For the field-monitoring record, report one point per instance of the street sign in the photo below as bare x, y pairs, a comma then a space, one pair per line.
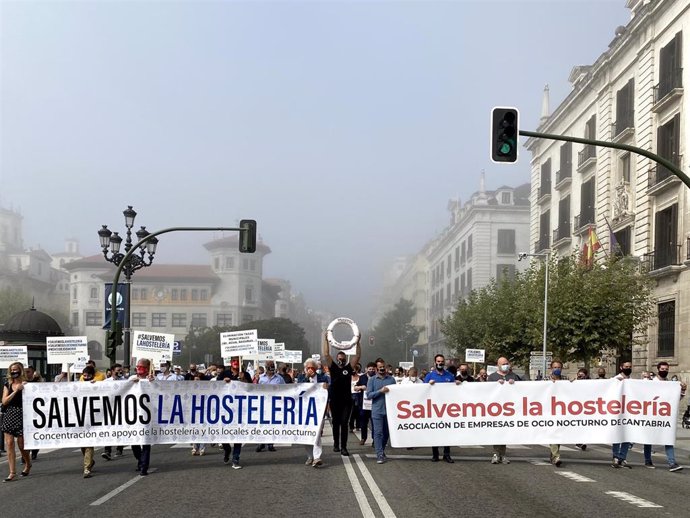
177, 348
475, 355
415, 352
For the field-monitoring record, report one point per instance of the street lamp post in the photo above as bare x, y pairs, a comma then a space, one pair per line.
546, 257
111, 242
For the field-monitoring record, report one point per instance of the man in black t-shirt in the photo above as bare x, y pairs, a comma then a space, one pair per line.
233, 374
340, 393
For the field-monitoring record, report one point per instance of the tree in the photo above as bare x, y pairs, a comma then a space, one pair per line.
591, 309
395, 335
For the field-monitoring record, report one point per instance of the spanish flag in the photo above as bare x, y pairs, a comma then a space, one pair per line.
590, 247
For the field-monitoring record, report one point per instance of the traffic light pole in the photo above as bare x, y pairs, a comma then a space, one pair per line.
633, 149
123, 262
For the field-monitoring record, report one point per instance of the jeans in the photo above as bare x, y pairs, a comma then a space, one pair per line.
670, 454
364, 417
380, 433
620, 450
143, 456
236, 450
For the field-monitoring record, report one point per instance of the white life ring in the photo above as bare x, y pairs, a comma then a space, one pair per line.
343, 346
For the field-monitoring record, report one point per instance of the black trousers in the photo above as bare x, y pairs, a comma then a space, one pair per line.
364, 417
341, 407
143, 456
434, 451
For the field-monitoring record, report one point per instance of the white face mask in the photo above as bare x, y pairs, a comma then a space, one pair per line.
505, 368
413, 379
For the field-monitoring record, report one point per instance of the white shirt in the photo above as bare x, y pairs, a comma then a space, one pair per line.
410, 381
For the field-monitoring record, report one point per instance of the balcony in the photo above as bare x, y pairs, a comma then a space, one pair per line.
661, 178
623, 129
587, 157
668, 90
542, 244
544, 193
582, 221
666, 258
563, 179
561, 235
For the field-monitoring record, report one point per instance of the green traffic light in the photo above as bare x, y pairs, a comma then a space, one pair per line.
505, 148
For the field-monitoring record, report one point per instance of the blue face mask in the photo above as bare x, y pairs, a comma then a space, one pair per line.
556, 372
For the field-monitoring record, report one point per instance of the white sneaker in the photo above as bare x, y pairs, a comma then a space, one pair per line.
309, 462
495, 459
317, 463
194, 452
504, 460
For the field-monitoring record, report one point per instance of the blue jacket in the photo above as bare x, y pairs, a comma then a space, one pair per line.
378, 401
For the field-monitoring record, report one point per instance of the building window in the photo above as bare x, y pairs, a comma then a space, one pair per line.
139, 319
666, 237
505, 198
135, 293
545, 184
195, 294
505, 272
463, 254
670, 68
144, 294
229, 263
93, 293
448, 263
506, 241
469, 246
566, 152
668, 146
666, 336
174, 294
75, 319
249, 294
216, 263
563, 229
158, 320
457, 287
586, 203
457, 257
224, 319
203, 294
625, 107
620, 244
469, 279
179, 319
624, 167
93, 318
544, 231
74, 293
199, 320
183, 294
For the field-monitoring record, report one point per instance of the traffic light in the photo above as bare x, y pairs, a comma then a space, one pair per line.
371, 341
248, 236
114, 340
504, 135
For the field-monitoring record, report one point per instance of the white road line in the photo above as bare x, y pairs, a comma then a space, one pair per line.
367, 511
120, 489
632, 499
574, 476
539, 463
374, 488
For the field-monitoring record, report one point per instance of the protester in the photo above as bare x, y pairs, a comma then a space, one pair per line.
165, 373
353, 422
464, 373
504, 373
311, 375
440, 375
399, 375
482, 376
365, 403
376, 390
88, 375
556, 370
228, 375
99, 376
412, 377
601, 373
284, 374
189, 376
32, 377
620, 450
340, 399
662, 369
582, 374
142, 453
116, 374
12, 423
270, 378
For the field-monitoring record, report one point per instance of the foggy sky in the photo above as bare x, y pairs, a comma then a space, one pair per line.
342, 127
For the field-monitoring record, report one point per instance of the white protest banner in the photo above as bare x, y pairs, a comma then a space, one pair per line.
13, 353
69, 415
533, 412
279, 351
239, 343
265, 349
157, 347
66, 349
475, 355
293, 356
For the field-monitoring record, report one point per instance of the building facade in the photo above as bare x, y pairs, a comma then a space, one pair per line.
633, 94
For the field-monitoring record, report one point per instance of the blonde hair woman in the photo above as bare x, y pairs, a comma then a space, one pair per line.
12, 425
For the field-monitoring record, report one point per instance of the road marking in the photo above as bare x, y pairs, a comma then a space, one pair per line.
632, 499
540, 463
374, 488
367, 511
120, 489
574, 476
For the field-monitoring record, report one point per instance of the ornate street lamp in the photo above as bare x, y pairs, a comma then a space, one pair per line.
110, 244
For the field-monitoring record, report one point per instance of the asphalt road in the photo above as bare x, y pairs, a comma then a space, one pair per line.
409, 485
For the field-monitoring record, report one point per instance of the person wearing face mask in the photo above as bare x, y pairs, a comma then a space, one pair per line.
365, 403
117, 374
311, 375
620, 450
232, 374
166, 374
482, 376
376, 391
440, 375
601, 373
464, 373
339, 392
662, 375
270, 378
12, 423
504, 373
142, 452
412, 377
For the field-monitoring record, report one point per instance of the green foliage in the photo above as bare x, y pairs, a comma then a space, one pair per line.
606, 306
394, 335
207, 340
